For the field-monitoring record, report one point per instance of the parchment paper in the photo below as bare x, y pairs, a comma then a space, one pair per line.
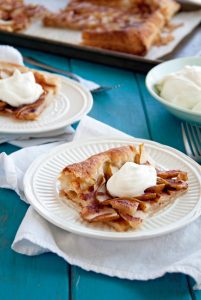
190, 20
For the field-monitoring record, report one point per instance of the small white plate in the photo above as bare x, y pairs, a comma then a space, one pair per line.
41, 191
69, 106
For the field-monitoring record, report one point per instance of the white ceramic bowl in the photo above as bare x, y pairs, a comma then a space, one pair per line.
158, 72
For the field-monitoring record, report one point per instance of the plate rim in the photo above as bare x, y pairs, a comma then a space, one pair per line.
79, 115
170, 228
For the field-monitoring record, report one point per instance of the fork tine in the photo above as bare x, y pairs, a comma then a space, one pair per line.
186, 142
195, 138
190, 137
198, 129
105, 88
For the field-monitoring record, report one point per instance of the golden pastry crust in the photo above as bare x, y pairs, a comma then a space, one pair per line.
50, 85
133, 39
84, 183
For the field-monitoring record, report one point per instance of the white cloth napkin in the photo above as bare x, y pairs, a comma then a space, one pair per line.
62, 135
8, 53
146, 259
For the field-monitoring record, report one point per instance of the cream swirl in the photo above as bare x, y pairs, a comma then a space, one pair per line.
131, 180
19, 89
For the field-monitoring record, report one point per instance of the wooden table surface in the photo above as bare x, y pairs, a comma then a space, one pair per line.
132, 110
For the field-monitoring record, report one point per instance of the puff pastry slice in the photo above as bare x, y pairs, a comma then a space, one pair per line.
50, 85
84, 183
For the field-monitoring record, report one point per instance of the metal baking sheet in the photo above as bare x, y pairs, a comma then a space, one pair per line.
190, 46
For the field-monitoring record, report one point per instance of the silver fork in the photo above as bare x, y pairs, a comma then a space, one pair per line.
92, 86
192, 140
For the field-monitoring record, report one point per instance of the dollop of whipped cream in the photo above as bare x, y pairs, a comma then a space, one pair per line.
19, 89
131, 180
183, 88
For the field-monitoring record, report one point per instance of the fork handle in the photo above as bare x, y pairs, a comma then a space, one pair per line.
36, 63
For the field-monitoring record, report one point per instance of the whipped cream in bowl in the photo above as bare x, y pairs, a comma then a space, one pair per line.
176, 84
182, 88
20, 89
131, 180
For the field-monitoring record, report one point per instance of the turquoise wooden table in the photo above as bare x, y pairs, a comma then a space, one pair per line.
132, 110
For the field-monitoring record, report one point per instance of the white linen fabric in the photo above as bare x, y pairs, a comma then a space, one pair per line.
145, 259
61, 135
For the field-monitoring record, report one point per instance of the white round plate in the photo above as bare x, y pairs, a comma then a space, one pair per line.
69, 106
41, 191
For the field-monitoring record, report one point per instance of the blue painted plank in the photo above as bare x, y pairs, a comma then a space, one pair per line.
196, 294
7, 150
22, 277
123, 109
88, 285
120, 108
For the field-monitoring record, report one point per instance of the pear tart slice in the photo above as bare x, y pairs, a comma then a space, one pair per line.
50, 86
85, 184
